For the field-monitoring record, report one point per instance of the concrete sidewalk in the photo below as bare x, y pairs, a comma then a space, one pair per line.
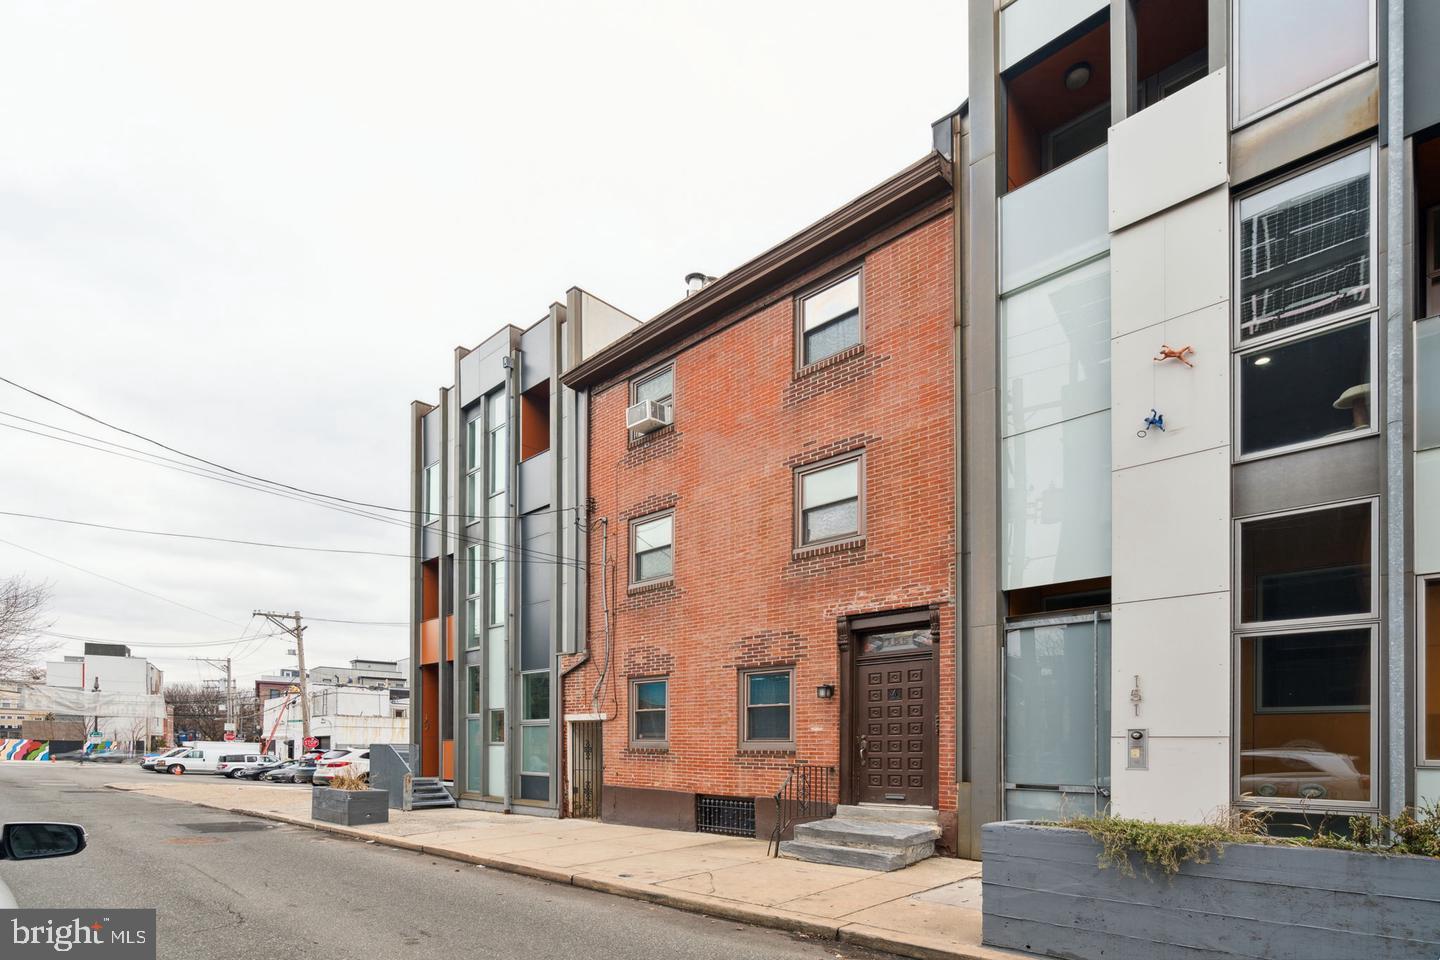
930, 910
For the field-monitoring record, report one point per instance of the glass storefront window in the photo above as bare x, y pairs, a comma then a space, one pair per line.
1305, 718
1313, 564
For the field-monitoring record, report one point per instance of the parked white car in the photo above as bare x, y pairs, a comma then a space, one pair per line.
232, 763
148, 763
344, 760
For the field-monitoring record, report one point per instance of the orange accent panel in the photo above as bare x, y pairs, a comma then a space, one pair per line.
430, 641
449, 773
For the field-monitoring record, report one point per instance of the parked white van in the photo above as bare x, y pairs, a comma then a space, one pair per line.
202, 756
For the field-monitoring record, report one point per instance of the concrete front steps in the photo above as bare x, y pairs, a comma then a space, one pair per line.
872, 836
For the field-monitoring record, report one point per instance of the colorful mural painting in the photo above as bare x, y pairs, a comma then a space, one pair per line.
24, 750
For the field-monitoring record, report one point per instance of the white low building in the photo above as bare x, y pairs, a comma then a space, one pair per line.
340, 716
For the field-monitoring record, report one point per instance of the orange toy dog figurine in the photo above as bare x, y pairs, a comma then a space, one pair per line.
1168, 352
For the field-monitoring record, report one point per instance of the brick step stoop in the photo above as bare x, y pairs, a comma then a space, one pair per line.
869, 836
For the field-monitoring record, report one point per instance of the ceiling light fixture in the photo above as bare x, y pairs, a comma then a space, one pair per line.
1077, 76
1262, 361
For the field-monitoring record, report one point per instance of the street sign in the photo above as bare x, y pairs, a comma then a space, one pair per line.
311, 743
229, 735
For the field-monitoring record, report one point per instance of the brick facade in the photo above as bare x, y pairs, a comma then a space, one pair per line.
741, 596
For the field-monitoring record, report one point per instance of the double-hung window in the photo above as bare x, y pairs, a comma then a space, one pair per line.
474, 445
829, 320
1307, 619
830, 501
1305, 298
767, 714
658, 386
652, 548
649, 712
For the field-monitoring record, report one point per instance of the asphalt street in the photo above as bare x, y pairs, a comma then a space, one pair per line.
227, 886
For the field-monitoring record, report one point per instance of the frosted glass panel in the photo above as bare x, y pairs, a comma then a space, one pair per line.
1028, 25
495, 775
1427, 383
474, 754
495, 671
1057, 349
1055, 508
1287, 46
1057, 705
1056, 221
1427, 512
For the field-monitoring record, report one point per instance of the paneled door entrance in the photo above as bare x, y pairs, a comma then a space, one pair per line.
894, 703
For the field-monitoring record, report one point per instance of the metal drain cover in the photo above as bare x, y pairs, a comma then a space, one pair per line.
226, 826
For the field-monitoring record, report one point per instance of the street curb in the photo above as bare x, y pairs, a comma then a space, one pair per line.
870, 937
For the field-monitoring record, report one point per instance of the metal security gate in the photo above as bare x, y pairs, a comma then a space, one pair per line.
1056, 737
585, 769
728, 816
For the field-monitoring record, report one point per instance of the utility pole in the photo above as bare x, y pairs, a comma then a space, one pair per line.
290, 623
229, 691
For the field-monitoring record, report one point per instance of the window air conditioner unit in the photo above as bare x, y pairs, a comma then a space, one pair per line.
647, 415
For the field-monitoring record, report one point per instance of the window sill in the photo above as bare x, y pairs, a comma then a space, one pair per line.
776, 749
822, 549
649, 746
649, 586
830, 361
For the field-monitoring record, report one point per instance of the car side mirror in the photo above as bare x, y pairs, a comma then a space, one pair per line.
37, 841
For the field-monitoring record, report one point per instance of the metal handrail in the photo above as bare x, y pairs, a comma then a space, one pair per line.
805, 792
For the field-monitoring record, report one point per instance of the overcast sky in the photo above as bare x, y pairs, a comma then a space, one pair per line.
257, 231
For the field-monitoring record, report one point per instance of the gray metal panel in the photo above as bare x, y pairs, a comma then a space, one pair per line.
536, 477
1217, 19
433, 438
1422, 66
1306, 128
535, 353
483, 369
1343, 471
982, 77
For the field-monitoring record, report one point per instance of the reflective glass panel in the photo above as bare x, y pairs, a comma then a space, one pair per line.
536, 688
1287, 46
1305, 247
830, 319
1304, 390
1305, 725
535, 749
1307, 565
1427, 384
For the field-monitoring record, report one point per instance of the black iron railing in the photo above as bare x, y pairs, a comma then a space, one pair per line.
808, 793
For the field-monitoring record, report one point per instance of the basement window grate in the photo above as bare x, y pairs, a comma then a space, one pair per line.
728, 816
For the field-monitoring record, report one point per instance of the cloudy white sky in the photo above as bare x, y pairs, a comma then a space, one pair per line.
257, 231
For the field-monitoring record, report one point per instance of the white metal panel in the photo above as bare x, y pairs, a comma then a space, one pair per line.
1055, 503
1054, 221
1427, 785
1028, 25
1171, 265
1169, 152
1179, 648
1172, 519
1427, 511
1188, 780
1195, 401
1056, 353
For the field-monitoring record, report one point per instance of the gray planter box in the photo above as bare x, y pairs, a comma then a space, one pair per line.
1044, 893
350, 808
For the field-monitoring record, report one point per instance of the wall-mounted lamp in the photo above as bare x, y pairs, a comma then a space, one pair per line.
1078, 75
825, 691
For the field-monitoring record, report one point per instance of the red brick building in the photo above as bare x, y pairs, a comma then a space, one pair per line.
777, 538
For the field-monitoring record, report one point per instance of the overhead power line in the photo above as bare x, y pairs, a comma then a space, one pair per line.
121, 583
197, 536
363, 623
220, 466
537, 556
157, 644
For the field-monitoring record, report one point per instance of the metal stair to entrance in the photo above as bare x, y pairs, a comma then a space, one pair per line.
428, 792
872, 836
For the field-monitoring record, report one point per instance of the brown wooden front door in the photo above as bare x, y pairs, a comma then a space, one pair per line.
895, 750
